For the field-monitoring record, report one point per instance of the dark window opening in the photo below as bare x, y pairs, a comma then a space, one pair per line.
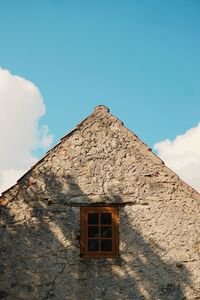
99, 232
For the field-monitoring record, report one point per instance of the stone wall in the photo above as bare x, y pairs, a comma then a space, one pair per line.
100, 163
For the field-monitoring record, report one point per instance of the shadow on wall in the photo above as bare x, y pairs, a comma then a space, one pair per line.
40, 255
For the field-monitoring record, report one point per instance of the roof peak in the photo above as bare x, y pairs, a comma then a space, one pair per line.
101, 108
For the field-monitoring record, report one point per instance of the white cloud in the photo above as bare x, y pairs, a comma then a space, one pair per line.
21, 106
183, 155
9, 177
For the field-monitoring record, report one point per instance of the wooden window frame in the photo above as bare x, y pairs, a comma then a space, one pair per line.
84, 232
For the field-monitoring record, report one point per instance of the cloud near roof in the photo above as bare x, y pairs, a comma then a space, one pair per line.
21, 106
183, 155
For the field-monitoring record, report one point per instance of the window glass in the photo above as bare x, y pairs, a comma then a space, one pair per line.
93, 245
106, 245
93, 218
93, 231
106, 231
106, 218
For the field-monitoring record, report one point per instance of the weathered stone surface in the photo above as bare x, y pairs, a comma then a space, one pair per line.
100, 162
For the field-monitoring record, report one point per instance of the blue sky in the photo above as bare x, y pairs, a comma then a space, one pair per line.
139, 57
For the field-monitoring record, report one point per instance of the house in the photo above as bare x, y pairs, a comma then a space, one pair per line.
100, 217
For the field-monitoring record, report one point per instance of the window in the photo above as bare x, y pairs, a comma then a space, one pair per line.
99, 232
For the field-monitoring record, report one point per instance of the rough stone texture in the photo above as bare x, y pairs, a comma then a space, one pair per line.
100, 162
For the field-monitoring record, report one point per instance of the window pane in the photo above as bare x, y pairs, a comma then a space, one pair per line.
93, 218
106, 231
93, 231
93, 245
106, 245
106, 218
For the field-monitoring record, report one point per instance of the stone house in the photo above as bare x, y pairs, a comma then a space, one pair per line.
100, 217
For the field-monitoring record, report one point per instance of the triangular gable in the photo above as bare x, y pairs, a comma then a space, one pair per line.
101, 160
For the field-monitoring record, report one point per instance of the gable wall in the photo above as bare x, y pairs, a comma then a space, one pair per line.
101, 162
